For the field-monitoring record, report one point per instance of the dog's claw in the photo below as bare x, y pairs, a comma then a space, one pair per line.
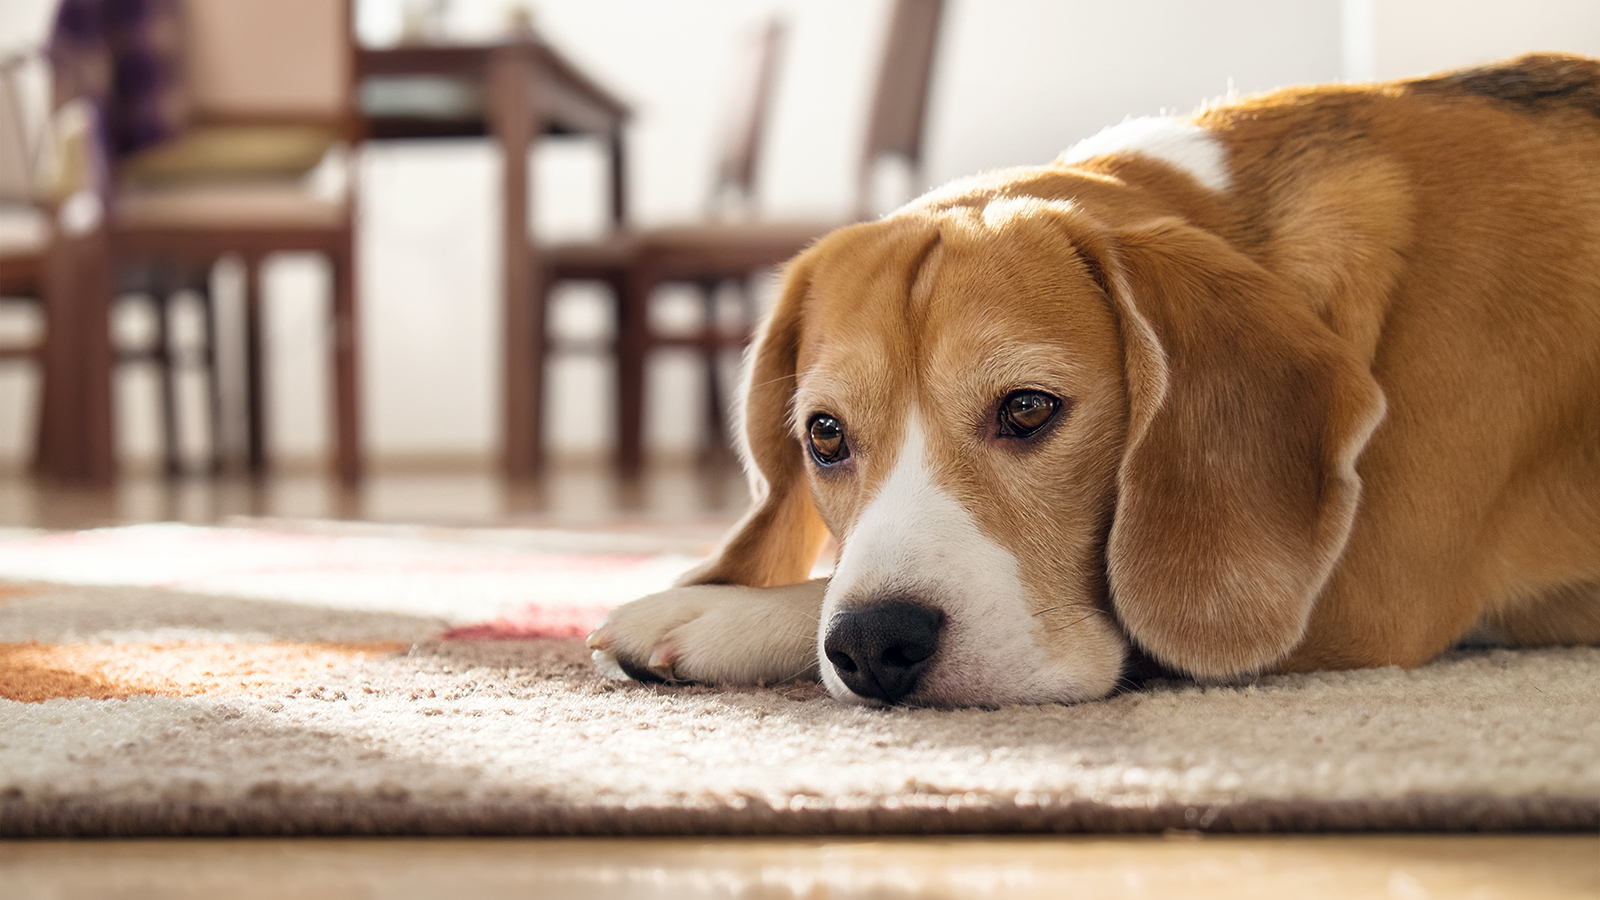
598, 639
661, 661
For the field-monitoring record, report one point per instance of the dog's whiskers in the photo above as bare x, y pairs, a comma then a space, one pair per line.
799, 672
1074, 623
789, 377
1087, 607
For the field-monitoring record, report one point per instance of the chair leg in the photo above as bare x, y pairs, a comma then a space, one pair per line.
208, 358
346, 365
538, 349
161, 298
254, 364
633, 302
716, 442
748, 313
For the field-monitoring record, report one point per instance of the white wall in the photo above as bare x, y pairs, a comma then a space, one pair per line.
1020, 81
1017, 81
1412, 37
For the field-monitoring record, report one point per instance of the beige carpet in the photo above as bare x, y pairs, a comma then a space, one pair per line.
167, 680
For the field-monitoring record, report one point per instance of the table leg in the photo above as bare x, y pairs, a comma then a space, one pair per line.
514, 118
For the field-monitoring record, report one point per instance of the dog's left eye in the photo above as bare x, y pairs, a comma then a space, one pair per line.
1024, 412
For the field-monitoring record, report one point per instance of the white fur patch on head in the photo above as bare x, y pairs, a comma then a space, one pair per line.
915, 541
1180, 144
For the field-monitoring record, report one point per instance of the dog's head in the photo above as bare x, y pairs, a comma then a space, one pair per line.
1035, 438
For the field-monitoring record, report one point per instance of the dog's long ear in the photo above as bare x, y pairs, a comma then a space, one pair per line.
778, 540
1237, 488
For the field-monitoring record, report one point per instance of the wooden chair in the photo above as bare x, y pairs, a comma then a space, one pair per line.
733, 249
26, 235
24, 225
271, 93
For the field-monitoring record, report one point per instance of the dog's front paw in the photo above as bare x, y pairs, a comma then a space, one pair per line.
713, 634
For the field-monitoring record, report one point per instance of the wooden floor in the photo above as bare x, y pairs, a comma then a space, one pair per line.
575, 496
1405, 867
1283, 868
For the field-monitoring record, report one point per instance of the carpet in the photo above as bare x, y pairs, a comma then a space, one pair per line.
176, 680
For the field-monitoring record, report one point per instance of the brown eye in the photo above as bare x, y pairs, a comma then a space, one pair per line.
1024, 412
827, 440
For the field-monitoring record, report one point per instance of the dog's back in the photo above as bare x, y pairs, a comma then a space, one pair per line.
1449, 228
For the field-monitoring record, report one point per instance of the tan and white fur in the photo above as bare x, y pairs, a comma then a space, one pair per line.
1322, 371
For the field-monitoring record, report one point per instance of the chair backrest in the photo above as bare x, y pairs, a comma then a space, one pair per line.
270, 60
900, 102
18, 146
747, 120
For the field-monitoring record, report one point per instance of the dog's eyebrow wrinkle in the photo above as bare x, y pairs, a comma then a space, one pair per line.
923, 268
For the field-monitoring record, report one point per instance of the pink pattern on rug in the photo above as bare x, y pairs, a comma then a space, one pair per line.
534, 621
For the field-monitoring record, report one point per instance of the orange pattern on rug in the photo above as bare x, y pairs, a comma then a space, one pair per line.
32, 672
16, 591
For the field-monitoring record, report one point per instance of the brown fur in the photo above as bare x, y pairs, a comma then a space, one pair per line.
1336, 416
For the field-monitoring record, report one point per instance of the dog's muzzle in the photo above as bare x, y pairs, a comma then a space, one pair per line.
880, 649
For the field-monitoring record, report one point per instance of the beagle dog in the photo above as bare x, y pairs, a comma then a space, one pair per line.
1309, 380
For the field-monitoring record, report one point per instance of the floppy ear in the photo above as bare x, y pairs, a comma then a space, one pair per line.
1237, 487
778, 540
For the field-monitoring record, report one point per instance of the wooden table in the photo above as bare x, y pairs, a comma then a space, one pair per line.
515, 93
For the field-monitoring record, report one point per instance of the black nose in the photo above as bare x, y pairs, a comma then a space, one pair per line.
880, 649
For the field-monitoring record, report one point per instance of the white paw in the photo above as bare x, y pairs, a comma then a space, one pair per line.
713, 634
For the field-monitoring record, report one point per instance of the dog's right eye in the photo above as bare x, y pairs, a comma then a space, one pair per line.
828, 446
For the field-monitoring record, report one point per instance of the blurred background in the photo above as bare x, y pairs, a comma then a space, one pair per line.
1012, 82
